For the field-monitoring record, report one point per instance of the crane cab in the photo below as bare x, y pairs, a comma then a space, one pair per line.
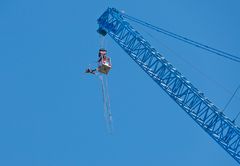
104, 62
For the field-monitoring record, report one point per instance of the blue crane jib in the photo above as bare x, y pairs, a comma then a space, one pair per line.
211, 119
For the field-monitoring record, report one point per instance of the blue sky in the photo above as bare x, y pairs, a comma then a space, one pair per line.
51, 113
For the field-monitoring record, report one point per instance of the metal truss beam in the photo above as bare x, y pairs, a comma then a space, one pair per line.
190, 99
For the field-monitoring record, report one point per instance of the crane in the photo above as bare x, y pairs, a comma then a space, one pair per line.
208, 116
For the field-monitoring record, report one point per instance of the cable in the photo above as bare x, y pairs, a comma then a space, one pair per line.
184, 60
106, 104
184, 39
236, 117
231, 98
101, 41
104, 97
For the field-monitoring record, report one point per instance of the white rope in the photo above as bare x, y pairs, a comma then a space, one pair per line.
106, 104
101, 41
104, 97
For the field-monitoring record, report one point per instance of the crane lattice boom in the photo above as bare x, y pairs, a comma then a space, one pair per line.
189, 98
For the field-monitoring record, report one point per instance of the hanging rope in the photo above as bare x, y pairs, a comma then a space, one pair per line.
106, 103
108, 99
101, 41
184, 39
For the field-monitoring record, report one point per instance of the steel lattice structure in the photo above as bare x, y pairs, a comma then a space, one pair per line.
189, 98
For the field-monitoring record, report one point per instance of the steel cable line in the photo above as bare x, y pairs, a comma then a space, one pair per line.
184, 39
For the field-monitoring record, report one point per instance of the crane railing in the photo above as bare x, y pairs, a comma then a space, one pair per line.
189, 98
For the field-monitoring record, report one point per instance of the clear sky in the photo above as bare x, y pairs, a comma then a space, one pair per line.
51, 113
